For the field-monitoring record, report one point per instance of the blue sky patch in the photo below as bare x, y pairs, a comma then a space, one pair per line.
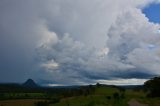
153, 13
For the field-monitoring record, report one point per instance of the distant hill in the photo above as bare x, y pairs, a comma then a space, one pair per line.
30, 84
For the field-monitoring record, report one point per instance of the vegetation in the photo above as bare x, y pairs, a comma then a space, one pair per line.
153, 87
91, 95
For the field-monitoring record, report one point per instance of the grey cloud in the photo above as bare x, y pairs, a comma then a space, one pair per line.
128, 34
129, 40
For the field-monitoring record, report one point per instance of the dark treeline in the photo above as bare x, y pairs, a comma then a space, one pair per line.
152, 86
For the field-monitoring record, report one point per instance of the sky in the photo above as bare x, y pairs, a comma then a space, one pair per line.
75, 42
152, 13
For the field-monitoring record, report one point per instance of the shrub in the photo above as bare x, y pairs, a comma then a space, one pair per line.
108, 97
116, 95
91, 103
41, 103
54, 100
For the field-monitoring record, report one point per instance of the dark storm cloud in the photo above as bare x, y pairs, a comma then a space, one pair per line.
137, 74
18, 37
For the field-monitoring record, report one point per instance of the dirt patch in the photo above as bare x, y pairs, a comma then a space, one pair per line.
134, 102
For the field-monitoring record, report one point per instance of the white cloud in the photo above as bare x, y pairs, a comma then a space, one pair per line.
132, 81
158, 31
51, 65
127, 38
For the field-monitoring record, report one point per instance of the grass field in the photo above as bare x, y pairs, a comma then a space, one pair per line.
23, 96
21, 102
102, 96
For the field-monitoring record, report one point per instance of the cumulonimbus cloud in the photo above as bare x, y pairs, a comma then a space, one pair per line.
80, 41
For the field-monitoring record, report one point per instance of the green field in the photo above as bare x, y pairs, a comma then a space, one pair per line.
21, 102
102, 96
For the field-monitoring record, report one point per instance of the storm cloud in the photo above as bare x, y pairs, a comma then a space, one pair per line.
77, 42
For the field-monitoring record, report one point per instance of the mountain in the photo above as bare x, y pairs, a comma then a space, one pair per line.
30, 84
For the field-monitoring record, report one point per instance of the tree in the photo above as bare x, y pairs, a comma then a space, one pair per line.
98, 84
116, 95
153, 86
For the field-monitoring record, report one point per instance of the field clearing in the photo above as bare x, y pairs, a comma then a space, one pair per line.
24, 94
94, 100
103, 96
10, 96
22, 102
106, 90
